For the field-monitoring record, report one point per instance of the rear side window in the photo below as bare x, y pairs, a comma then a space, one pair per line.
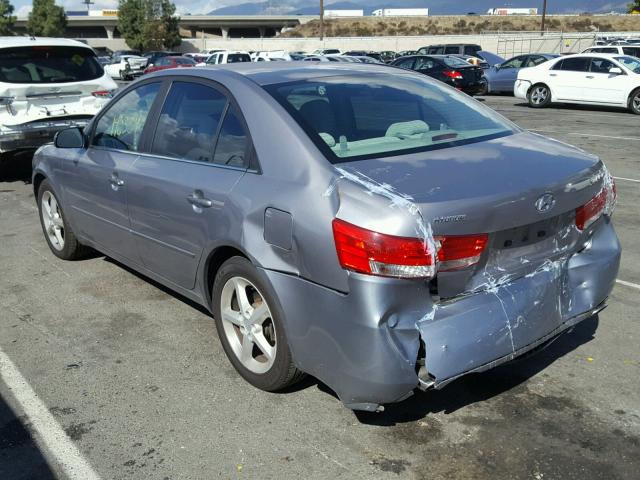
44, 64
188, 124
238, 58
603, 50
452, 50
233, 144
633, 51
121, 126
471, 49
579, 64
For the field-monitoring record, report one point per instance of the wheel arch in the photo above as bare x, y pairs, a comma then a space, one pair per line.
38, 178
212, 264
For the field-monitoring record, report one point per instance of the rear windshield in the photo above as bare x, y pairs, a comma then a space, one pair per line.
455, 62
381, 115
238, 57
43, 64
185, 61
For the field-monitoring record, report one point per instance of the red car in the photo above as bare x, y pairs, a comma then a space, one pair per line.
164, 63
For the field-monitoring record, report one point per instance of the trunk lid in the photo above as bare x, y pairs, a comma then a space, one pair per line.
471, 74
492, 187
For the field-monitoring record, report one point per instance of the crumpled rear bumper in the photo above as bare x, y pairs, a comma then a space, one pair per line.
34, 134
365, 344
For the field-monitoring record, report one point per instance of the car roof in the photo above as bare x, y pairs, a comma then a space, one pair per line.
268, 73
10, 42
594, 54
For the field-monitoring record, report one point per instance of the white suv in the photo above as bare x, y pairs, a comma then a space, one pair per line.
633, 50
46, 85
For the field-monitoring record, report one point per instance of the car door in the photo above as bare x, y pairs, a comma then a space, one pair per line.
95, 180
179, 189
503, 77
604, 87
567, 78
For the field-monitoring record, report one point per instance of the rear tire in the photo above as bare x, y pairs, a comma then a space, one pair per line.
634, 101
248, 321
539, 96
57, 232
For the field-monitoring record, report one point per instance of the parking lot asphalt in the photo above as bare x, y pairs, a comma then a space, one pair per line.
138, 380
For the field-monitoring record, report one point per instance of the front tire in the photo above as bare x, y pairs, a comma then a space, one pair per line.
634, 102
248, 321
539, 96
57, 232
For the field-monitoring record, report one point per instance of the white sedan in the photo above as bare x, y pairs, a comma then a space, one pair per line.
126, 67
588, 79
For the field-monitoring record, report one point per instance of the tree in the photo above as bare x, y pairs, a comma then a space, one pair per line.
634, 7
47, 19
6, 17
149, 24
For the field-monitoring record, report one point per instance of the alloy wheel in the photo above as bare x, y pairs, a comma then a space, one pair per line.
248, 325
52, 220
539, 95
635, 103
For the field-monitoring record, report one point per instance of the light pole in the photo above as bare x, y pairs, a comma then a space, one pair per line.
544, 16
321, 20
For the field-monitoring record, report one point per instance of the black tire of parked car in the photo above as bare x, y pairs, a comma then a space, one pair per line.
539, 87
72, 249
283, 372
634, 101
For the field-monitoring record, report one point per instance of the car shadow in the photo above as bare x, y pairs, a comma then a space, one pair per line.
461, 393
16, 167
478, 387
20, 456
579, 108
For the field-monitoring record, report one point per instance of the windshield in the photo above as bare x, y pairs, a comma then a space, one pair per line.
44, 64
631, 63
358, 117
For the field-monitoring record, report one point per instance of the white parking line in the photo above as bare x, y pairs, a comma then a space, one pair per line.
627, 179
576, 134
628, 284
49, 434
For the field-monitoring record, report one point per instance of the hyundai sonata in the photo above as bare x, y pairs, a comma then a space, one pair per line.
369, 226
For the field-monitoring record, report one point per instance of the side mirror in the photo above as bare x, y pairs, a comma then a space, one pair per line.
69, 138
615, 71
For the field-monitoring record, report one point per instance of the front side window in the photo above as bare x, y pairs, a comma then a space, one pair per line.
424, 63
189, 121
354, 117
600, 65
535, 60
45, 64
517, 62
121, 126
452, 50
406, 63
633, 51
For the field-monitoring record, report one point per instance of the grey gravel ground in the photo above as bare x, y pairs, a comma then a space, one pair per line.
138, 379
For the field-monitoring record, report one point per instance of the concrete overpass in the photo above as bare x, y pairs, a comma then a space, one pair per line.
191, 26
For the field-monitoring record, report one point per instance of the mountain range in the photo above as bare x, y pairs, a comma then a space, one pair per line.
436, 7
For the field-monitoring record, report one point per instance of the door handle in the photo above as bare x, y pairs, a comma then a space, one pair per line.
590, 76
115, 181
553, 74
197, 200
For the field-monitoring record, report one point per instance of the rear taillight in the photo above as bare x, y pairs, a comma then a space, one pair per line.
462, 251
366, 251
102, 94
594, 208
454, 74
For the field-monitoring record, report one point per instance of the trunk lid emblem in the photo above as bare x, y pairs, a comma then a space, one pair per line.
545, 202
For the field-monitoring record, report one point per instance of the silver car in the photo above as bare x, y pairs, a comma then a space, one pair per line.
369, 226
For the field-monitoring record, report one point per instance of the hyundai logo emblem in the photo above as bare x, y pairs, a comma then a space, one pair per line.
545, 202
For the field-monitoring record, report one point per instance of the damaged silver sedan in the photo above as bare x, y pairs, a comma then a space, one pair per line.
371, 227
